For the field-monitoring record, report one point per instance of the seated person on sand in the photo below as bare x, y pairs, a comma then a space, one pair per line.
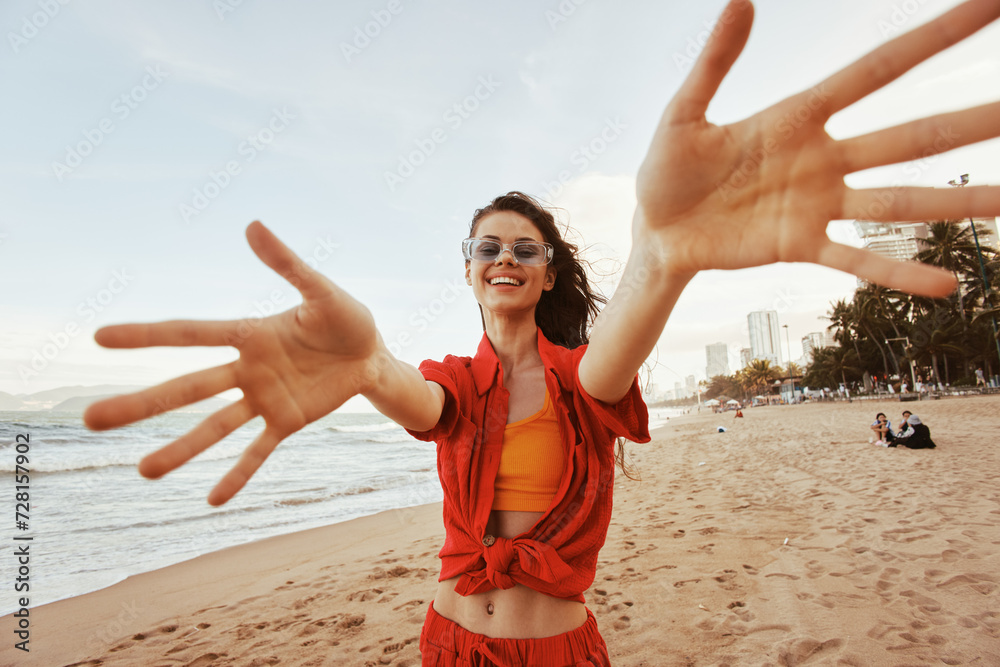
883, 430
739, 413
902, 425
916, 435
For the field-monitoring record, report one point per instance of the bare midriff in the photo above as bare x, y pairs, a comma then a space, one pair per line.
515, 613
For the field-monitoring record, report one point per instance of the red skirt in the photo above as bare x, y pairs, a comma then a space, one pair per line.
444, 643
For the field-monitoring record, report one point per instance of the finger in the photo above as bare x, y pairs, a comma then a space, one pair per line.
204, 435
177, 333
899, 204
185, 390
724, 46
891, 60
922, 138
911, 277
244, 469
269, 248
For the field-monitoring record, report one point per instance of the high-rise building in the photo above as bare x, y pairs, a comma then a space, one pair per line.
716, 359
678, 392
764, 340
899, 241
815, 341
690, 386
746, 356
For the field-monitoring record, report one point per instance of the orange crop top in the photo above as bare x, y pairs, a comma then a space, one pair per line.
531, 462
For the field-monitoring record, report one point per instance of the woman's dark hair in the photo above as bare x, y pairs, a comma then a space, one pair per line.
881, 414
566, 312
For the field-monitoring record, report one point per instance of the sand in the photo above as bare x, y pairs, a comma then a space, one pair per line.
787, 540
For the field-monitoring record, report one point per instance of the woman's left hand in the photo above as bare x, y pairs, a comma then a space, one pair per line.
762, 190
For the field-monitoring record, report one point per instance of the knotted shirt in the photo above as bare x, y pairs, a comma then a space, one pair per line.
558, 555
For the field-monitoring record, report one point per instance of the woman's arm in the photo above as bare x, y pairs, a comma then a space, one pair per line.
401, 394
294, 367
763, 190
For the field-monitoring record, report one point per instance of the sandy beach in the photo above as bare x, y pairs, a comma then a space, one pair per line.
787, 540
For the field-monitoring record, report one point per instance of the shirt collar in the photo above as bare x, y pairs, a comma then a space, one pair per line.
485, 363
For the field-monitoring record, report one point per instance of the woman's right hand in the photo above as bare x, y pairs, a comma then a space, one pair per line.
294, 367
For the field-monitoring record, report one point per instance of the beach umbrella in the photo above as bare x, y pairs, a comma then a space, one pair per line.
732, 402
712, 401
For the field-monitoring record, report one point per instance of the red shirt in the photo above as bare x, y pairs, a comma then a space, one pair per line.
558, 555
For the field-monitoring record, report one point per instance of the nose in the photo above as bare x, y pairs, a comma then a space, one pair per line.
510, 253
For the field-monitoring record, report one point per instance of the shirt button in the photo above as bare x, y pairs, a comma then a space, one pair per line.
489, 540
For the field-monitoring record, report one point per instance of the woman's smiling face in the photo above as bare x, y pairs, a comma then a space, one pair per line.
504, 286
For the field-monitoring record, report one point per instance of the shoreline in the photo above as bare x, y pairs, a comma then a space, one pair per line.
891, 555
252, 569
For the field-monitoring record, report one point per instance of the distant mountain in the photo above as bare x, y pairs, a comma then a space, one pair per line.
9, 401
79, 403
77, 398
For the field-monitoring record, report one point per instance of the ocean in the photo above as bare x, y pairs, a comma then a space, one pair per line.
94, 520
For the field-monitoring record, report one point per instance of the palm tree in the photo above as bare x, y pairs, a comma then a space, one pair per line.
934, 338
951, 246
759, 375
832, 366
842, 323
868, 317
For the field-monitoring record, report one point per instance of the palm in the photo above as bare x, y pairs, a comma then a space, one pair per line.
763, 189
294, 367
729, 207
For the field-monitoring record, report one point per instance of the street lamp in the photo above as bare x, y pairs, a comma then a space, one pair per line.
913, 373
791, 380
962, 181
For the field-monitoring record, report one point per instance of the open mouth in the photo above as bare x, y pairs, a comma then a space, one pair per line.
505, 280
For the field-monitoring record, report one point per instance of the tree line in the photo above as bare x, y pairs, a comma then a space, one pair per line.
880, 331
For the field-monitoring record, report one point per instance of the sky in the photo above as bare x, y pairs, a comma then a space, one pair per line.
140, 138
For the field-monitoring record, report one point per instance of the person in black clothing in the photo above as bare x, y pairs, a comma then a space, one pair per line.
915, 435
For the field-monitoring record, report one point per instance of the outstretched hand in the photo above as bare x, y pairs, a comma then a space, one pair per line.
294, 367
762, 190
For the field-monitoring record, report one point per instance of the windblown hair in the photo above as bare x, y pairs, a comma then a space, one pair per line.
567, 311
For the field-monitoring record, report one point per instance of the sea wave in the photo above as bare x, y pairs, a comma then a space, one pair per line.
388, 437
366, 428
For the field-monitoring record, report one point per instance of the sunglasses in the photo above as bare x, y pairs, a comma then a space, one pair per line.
523, 252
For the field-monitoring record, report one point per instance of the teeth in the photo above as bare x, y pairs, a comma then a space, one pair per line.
503, 280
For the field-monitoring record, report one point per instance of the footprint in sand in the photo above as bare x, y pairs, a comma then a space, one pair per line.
922, 602
981, 583
750, 569
410, 604
364, 595
798, 651
683, 582
316, 626
351, 621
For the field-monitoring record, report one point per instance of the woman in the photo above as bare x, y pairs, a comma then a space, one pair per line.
755, 192
883, 430
914, 434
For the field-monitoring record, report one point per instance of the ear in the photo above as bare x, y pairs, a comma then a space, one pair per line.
468, 274
550, 280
